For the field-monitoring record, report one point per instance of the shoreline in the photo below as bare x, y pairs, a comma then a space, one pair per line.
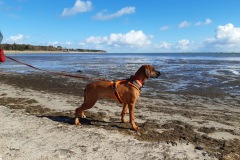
173, 126
51, 52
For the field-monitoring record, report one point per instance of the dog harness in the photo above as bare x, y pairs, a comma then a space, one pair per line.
131, 82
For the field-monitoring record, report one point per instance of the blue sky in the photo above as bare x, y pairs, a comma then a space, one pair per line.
124, 25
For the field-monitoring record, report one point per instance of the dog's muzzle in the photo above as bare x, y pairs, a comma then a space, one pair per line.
157, 73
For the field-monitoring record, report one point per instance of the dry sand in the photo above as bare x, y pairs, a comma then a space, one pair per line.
37, 123
47, 52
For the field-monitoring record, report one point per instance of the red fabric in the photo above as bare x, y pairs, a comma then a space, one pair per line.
140, 80
2, 57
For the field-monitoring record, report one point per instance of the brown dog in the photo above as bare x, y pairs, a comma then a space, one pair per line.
125, 91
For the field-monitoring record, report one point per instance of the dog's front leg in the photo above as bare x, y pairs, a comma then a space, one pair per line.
124, 111
131, 107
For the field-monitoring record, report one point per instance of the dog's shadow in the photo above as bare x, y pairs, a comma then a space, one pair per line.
89, 121
61, 119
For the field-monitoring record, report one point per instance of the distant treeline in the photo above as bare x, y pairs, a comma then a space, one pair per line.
28, 47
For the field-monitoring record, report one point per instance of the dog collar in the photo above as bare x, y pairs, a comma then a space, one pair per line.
135, 83
139, 83
138, 80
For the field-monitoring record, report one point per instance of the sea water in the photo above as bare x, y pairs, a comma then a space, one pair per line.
181, 72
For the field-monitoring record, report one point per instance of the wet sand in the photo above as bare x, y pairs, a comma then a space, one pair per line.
37, 123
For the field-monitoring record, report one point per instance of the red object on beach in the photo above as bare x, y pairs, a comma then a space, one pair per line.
2, 57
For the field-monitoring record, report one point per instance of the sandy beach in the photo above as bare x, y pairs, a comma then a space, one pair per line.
49, 52
37, 110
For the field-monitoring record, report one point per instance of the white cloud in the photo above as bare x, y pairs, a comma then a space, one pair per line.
227, 38
198, 23
164, 28
57, 43
207, 22
164, 45
184, 24
82, 44
79, 6
68, 43
103, 15
96, 40
179, 46
183, 44
131, 39
53, 43
17, 39
228, 34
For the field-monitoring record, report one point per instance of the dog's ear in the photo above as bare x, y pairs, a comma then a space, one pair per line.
148, 70
144, 69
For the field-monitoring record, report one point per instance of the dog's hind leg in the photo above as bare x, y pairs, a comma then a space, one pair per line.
85, 99
88, 103
80, 110
124, 111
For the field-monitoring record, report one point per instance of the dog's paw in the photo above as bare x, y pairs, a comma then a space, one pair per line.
77, 121
137, 128
83, 116
123, 120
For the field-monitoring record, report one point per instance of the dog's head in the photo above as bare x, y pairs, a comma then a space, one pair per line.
151, 72
148, 71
